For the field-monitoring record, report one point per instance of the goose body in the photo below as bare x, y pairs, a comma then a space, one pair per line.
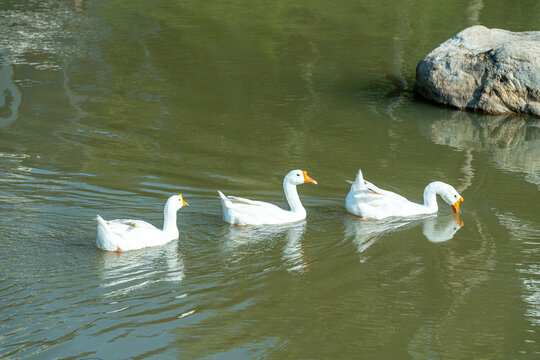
241, 211
123, 234
370, 202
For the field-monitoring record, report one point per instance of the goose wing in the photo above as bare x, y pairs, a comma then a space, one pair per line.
124, 226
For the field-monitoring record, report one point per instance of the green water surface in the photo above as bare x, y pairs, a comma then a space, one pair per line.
108, 107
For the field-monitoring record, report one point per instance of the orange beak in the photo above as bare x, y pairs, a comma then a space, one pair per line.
455, 207
307, 179
183, 202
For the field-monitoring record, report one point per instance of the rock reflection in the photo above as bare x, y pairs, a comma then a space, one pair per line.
513, 142
366, 233
527, 235
473, 10
293, 253
129, 271
10, 96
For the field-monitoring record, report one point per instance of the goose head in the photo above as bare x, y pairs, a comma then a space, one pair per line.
175, 203
450, 196
297, 177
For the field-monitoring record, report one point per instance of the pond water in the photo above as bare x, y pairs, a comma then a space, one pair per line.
108, 107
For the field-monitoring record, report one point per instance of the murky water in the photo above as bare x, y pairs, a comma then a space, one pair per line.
108, 107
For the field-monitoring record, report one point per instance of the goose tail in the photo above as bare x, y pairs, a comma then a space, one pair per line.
224, 199
222, 196
104, 234
102, 223
359, 182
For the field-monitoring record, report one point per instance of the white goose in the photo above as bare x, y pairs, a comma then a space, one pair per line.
122, 235
240, 211
370, 202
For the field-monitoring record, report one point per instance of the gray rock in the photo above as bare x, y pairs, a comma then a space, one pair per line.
488, 70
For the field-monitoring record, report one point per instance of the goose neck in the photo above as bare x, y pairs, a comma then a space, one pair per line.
169, 221
292, 197
430, 197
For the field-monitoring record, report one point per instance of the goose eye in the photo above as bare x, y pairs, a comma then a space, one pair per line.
297, 174
455, 196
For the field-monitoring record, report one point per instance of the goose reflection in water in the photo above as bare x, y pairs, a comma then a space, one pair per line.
439, 229
436, 229
293, 256
125, 272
